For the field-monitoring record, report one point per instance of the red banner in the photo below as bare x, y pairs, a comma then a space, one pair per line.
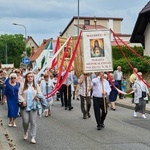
54, 62
68, 68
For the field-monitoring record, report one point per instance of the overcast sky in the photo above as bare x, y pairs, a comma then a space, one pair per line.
44, 19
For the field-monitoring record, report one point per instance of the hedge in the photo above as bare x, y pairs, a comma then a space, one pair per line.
119, 60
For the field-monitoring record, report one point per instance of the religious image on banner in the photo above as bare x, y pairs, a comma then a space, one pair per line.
68, 55
97, 48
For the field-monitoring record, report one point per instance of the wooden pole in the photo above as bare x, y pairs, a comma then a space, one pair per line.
67, 92
86, 93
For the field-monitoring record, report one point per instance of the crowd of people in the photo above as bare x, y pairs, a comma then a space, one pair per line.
27, 97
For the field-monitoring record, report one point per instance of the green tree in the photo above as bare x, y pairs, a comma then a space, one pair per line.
11, 49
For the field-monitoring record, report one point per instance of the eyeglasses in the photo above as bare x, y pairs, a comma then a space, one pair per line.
13, 77
17, 72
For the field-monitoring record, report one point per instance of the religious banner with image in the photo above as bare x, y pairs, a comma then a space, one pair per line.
97, 51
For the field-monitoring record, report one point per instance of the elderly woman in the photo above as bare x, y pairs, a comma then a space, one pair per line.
140, 102
11, 94
19, 77
47, 86
114, 92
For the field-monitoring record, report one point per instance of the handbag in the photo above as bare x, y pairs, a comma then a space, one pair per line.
20, 104
143, 92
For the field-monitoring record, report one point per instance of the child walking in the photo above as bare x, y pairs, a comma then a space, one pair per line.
124, 85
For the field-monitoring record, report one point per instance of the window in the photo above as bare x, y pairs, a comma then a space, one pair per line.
86, 22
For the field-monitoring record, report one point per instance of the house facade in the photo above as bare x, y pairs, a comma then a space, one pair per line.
141, 31
87, 23
31, 43
44, 51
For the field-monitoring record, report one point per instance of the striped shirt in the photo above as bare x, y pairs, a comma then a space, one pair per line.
82, 86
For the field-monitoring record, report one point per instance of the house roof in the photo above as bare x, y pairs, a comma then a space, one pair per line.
40, 50
140, 26
87, 18
113, 43
88, 27
30, 37
123, 35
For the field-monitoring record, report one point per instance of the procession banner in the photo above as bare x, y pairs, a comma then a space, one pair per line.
50, 60
97, 51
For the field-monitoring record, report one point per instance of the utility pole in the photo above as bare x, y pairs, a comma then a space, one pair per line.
6, 53
78, 17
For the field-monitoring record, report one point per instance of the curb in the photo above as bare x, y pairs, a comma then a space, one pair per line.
5, 142
129, 107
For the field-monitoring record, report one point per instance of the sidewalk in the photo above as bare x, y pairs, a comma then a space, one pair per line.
126, 102
6, 143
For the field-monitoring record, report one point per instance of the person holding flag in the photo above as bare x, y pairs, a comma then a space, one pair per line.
65, 90
101, 89
85, 86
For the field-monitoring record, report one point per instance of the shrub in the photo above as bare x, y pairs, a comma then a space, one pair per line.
119, 60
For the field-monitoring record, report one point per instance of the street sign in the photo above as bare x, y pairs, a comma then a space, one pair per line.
26, 60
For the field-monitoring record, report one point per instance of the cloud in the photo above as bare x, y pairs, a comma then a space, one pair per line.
46, 18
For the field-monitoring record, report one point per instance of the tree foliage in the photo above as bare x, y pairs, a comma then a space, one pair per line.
117, 54
11, 49
133, 59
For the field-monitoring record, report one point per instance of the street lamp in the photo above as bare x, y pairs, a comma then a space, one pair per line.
16, 24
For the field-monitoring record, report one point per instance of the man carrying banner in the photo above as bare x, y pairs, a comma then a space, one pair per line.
65, 90
85, 86
101, 89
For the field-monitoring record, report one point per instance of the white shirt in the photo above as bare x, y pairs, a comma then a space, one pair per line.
69, 79
97, 87
118, 75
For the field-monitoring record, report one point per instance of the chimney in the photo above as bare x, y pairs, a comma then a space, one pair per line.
44, 41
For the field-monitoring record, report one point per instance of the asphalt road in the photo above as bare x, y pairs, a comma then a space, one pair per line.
66, 130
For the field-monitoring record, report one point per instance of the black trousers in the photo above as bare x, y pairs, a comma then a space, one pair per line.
99, 110
85, 109
65, 95
119, 87
69, 96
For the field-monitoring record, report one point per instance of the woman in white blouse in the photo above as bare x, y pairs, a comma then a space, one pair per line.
47, 86
27, 91
140, 102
